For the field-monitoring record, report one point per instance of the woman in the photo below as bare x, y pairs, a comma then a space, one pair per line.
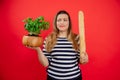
61, 51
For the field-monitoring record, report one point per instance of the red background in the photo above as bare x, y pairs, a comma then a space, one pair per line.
102, 25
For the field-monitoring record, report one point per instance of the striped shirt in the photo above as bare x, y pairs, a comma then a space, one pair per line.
63, 60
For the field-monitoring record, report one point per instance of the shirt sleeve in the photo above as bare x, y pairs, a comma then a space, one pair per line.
47, 54
78, 51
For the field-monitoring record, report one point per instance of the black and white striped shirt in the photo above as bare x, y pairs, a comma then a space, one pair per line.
63, 60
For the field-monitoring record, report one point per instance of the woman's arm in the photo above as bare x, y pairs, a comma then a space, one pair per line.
83, 54
42, 58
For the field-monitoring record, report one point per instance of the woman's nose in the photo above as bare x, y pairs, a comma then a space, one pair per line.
62, 21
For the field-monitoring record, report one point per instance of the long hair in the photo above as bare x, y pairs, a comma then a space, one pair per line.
52, 38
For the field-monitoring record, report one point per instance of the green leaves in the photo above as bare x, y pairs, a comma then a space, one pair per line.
35, 26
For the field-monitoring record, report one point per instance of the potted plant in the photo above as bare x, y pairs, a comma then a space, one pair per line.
34, 28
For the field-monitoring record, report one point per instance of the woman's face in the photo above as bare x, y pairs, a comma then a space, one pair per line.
62, 22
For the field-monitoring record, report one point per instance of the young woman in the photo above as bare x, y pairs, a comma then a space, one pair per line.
61, 51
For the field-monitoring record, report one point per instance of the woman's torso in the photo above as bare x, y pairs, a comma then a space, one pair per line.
63, 61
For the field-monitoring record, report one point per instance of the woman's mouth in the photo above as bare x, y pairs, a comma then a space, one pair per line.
61, 26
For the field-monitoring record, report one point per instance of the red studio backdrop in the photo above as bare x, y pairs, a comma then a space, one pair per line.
102, 25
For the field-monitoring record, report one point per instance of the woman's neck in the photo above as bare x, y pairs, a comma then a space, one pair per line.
62, 34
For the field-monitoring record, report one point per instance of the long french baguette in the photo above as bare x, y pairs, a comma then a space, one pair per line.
82, 32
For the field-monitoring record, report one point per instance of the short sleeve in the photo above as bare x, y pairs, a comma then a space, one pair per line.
77, 40
47, 54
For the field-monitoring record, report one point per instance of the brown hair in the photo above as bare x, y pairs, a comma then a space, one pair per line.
52, 38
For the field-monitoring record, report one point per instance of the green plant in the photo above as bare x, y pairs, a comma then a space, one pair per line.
35, 26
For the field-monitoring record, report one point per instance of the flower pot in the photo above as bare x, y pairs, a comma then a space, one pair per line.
32, 41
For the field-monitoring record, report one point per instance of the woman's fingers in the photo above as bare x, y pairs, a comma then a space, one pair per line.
30, 47
83, 57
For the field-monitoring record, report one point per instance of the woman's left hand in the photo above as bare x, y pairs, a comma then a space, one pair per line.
84, 58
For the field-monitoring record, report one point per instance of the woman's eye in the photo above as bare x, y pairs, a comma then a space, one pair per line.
59, 20
65, 19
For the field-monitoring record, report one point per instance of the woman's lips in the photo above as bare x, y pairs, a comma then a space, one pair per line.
61, 26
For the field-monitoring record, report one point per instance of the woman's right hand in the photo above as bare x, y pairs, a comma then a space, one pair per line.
35, 48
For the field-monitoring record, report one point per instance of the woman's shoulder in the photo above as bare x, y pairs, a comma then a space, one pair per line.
50, 36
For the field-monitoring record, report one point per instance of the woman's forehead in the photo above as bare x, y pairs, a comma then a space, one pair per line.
62, 16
